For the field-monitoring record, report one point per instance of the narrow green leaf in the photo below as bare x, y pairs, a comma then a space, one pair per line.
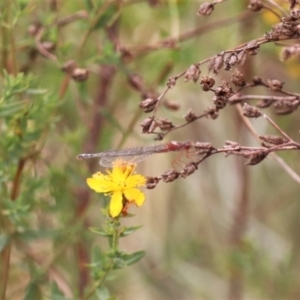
134, 257
36, 91
11, 109
102, 293
129, 230
99, 231
122, 260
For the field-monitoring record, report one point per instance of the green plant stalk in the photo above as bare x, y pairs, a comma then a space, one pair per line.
114, 249
100, 281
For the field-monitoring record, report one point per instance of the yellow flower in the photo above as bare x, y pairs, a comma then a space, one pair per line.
121, 184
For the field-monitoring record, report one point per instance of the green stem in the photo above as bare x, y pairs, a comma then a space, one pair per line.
115, 239
113, 249
100, 281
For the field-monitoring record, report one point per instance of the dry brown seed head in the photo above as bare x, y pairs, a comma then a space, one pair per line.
212, 113
170, 176
152, 182
286, 30
257, 81
188, 169
264, 103
256, 158
234, 146
292, 3
251, 111
193, 72
80, 74
252, 48
297, 30
255, 5
171, 82
238, 78
69, 66
272, 35
148, 125
207, 83
230, 61
275, 85
273, 139
203, 147
205, 9
218, 63
224, 89
220, 101
148, 104
164, 124
190, 116
286, 107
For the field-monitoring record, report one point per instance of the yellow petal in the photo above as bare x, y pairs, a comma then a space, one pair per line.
95, 185
135, 195
116, 204
135, 180
102, 183
98, 175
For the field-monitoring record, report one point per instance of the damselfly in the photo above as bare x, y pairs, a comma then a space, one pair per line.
136, 154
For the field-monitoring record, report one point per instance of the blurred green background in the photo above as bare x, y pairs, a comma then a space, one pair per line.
229, 231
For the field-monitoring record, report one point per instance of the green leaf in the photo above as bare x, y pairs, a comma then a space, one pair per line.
56, 294
124, 259
36, 91
134, 257
102, 293
129, 230
33, 292
4, 240
11, 108
100, 231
